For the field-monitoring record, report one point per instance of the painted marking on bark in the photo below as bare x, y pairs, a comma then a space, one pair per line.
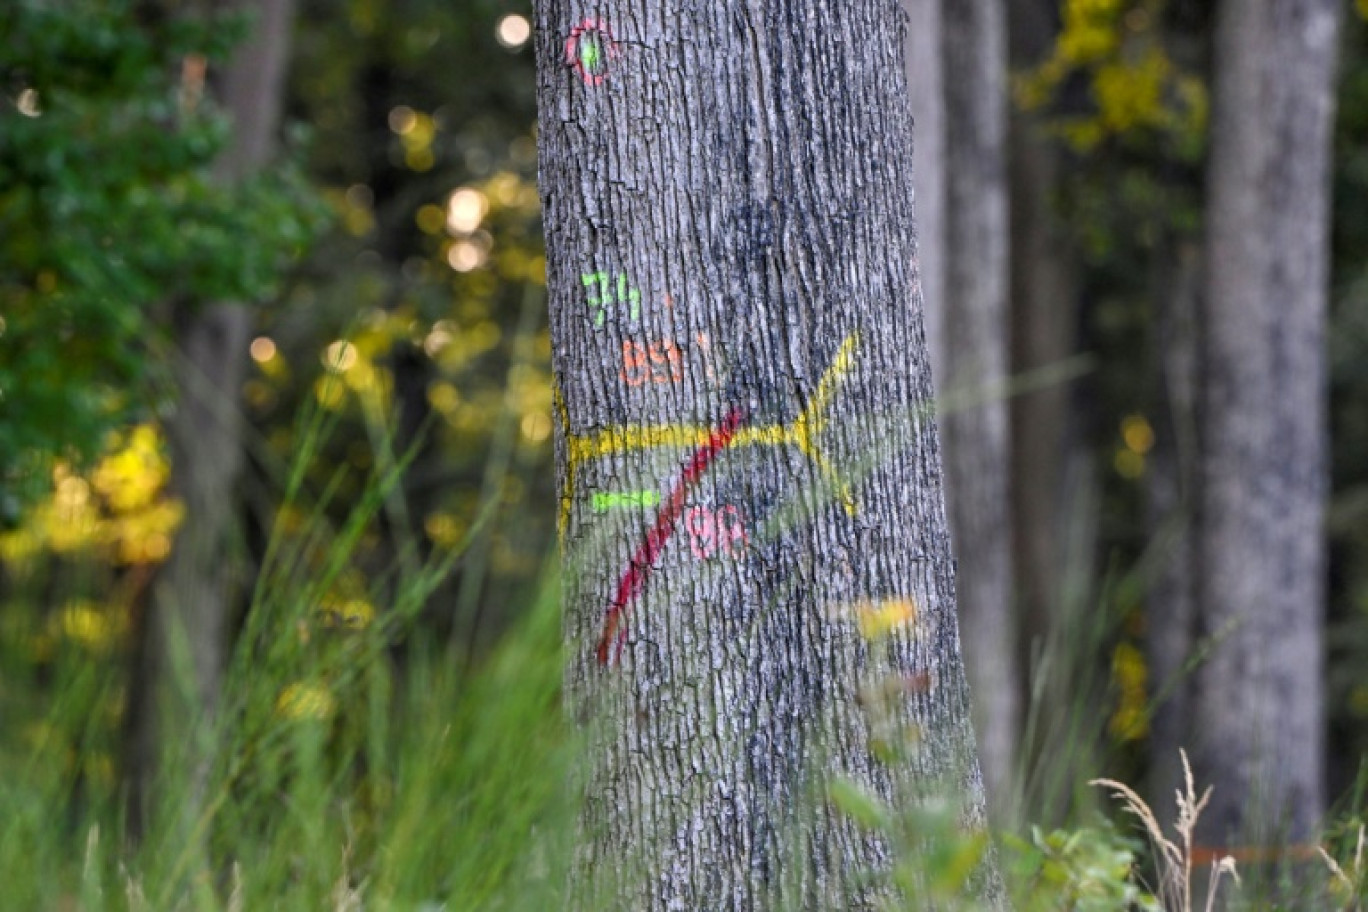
716, 533
663, 360
705, 347
588, 50
568, 492
657, 362
803, 432
600, 302
643, 561
603, 501
719, 532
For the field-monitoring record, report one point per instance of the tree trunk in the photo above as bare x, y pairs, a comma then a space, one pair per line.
926, 87
1052, 491
1044, 296
1257, 712
1171, 479
974, 321
1170, 489
759, 588
185, 647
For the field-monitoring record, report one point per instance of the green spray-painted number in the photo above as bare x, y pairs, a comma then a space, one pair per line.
600, 302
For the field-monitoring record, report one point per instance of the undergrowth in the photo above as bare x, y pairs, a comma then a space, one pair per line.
339, 775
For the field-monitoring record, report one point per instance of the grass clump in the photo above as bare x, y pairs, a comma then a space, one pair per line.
1175, 858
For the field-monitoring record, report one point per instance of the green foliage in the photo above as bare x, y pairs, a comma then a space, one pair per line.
110, 215
1088, 870
1134, 88
363, 749
934, 854
361, 756
336, 771
411, 112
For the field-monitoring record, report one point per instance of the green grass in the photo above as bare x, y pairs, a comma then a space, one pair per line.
447, 789
338, 775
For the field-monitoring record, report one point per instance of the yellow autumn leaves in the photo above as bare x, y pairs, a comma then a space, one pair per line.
1134, 85
120, 507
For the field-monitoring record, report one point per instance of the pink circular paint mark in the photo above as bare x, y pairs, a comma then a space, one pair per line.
702, 528
588, 50
729, 524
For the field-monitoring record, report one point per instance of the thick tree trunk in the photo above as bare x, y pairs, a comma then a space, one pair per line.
759, 589
1258, 713
186, 633
974, 332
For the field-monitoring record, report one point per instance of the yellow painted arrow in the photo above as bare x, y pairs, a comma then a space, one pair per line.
802, 433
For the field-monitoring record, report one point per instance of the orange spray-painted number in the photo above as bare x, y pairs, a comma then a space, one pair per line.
658, 362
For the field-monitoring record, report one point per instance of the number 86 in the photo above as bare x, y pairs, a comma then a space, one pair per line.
713, 531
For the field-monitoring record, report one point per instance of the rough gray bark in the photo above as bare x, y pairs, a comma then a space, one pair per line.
974, 329
1257, 713
186, 631
749, 470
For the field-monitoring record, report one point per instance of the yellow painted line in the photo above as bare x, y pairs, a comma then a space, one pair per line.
568, 495
631, 438
802, 433
812, 420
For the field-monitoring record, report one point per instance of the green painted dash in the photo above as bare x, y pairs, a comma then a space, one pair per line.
615, 500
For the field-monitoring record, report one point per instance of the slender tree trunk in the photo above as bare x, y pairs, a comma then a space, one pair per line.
185, 647
1170, 488
1053, 504
759, 588
926, 87
1171, 476
1258, 715
1044, 288
973, 317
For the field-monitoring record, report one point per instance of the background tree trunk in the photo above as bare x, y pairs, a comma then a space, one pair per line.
759, 589
1170, 492
1052, 488
1171, 479
1044, 268
1257, 712
185, 638
973, 362
926, 88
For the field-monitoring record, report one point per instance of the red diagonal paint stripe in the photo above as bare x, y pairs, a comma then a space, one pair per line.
634, 578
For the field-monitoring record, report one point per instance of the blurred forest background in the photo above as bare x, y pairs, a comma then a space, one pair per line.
284, 360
